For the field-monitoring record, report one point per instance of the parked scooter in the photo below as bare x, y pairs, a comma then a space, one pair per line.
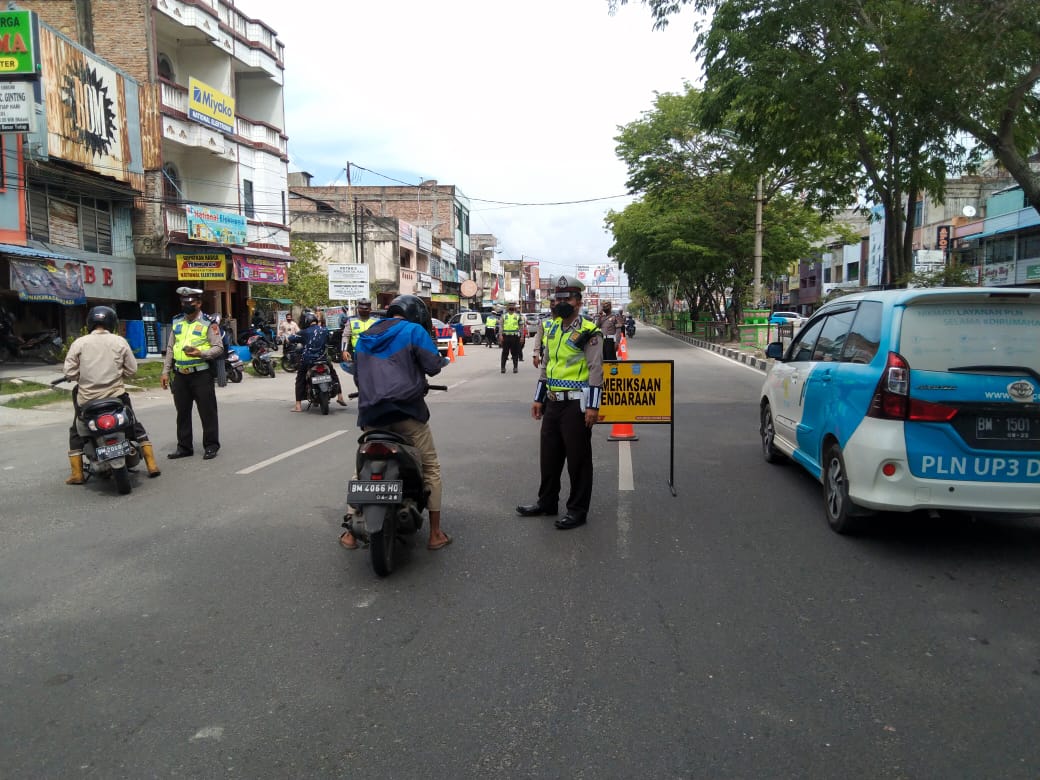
44, 345
292, 354
389, 495
263, 359
109, 449
233, 366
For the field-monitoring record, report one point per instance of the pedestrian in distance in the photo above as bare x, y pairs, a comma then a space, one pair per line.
99, 362
512, 332
609, 324
393, 360
315, 340
354, 327
566, 401
194, 342
287, 328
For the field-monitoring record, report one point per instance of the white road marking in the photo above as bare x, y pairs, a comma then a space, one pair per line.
290, 453
733, 362
625, 477
209, 732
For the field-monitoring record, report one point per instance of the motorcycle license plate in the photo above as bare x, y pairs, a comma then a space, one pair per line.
321, 379
374, 492
111, 451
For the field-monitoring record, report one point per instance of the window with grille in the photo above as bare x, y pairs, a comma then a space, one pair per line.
64, 218
247, 198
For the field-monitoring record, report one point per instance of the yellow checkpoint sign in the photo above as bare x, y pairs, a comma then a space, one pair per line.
638, 391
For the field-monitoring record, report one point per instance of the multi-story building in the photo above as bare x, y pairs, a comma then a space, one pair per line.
213, 211
427, 255
71, 173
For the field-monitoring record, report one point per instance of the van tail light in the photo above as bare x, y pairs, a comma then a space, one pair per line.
892, 399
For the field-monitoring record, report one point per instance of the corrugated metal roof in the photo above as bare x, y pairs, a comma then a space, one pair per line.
27, 251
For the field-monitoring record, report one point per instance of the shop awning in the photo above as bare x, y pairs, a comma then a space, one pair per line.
40, 254
247, 253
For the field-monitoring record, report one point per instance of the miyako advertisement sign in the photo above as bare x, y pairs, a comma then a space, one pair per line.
19, 50
210, 106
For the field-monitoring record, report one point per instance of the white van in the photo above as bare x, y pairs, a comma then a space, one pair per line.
472, 325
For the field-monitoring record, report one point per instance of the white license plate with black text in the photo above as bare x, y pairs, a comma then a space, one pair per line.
388, 491
321, 379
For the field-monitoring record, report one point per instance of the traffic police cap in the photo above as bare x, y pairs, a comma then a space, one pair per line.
567, 285
189, 292
364, 302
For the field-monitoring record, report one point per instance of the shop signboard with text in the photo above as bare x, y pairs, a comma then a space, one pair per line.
210, 107
259, 270
218, 227
19, 43
201, 267
348, 281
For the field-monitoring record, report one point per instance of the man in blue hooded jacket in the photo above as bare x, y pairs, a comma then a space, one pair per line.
392, 360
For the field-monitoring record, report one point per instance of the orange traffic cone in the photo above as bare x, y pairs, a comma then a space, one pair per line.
622, 348
462, 347
451, 351
622, 432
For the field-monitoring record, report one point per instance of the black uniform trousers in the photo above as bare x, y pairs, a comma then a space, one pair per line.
198, 388
609, 349
510, 346
76, 441
489, 337
565, 436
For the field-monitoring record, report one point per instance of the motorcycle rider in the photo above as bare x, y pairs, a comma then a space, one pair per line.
393, 359
99, 362
315, 340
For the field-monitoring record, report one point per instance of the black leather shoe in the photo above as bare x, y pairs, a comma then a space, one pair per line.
514, 369
533, 510
503, 370
179, 453
569, 521
211, 453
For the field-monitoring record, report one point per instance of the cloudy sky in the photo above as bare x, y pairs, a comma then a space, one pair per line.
512, 102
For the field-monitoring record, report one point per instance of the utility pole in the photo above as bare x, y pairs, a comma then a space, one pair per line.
758, 241
353, 215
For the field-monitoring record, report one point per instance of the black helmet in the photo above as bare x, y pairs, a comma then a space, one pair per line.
307, 319
105, 316
413, 309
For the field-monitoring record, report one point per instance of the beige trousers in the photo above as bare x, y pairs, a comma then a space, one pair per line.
421, 437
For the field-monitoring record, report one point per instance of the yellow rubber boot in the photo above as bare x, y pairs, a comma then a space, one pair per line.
76, 463
149, 459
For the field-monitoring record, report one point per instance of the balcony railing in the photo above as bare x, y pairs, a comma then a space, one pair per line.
260, 133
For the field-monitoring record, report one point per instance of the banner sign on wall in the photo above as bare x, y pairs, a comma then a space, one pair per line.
218, 227
201, 268
260, 271
210, 107
19, 47
46, 283
348, 281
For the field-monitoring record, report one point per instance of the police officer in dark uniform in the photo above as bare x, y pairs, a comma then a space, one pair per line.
194, 340
567, 400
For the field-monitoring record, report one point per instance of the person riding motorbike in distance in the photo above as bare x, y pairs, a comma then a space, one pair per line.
99, 362
392, 361
315, 340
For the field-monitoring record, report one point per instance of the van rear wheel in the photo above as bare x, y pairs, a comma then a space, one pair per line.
843, 516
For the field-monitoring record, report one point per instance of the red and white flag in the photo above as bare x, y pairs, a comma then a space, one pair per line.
494, 290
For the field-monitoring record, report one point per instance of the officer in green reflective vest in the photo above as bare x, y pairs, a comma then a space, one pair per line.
491, 329
512, 332
354, 326
567, 400
194, 341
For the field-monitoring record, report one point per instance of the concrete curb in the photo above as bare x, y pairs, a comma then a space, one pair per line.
725, 350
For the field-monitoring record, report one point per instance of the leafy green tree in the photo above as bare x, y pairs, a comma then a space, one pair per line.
308, 282
691, 236
873, 96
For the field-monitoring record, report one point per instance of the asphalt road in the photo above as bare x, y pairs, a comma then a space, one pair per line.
209, 625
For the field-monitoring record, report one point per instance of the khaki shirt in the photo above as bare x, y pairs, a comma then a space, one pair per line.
609, 324
287, 328
99, 362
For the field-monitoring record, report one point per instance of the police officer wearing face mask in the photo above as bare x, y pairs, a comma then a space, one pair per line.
194, 340
567, 400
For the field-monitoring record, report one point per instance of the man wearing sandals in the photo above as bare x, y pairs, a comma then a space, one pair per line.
392, 361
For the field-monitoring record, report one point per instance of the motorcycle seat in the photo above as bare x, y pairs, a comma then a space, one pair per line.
381, 435
101, 406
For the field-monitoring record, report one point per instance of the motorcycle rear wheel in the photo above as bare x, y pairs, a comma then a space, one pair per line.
234, 375
121, 476
381, 542
323, 400
261, 366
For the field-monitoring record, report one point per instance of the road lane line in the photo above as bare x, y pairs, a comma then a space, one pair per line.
290, 453
626, 483
625, 478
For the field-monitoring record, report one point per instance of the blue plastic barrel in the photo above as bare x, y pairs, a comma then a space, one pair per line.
243, 354
135, 337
